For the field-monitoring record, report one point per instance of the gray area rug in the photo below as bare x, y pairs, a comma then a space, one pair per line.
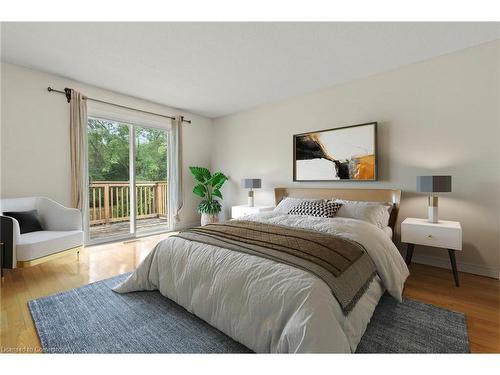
414, 327
94, 319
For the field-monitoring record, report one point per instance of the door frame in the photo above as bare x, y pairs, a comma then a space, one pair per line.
132, 122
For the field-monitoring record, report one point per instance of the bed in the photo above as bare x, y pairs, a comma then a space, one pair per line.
274, 306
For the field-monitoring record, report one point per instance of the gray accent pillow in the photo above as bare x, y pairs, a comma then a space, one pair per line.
28, 220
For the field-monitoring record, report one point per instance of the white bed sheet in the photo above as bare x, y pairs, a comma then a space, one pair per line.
271, 307
388, 231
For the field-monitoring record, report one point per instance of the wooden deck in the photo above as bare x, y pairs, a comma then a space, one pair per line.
122, 228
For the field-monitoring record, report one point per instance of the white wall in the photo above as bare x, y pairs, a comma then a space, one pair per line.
35, 136
440, 116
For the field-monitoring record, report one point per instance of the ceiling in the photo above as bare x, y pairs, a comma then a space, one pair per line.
215, 69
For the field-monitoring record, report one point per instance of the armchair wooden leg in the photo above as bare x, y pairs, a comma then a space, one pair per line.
78, 252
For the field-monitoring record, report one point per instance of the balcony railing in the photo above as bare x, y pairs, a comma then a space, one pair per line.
109, 201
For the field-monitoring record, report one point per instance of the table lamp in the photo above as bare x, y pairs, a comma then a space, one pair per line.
250, 183
433, 184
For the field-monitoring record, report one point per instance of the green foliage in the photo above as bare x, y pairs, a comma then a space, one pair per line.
200, 190
217, 193
209, 207
208, 187
200, 174
217, 180
108, 146
151, 154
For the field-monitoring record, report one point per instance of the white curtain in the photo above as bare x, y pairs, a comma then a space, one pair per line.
176, 168
77, 128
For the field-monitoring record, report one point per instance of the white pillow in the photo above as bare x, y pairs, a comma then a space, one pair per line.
373, 212
287, 203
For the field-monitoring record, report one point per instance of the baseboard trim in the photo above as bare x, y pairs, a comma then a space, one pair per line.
462, 266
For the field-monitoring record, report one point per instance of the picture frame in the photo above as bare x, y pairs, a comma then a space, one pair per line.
347, 153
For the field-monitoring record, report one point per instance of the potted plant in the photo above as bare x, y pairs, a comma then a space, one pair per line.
208, 188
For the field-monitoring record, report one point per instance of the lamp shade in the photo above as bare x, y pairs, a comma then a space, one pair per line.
250, 183
434, 184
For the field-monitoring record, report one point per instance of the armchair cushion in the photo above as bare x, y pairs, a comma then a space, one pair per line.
28, 220
56, 217
39, 244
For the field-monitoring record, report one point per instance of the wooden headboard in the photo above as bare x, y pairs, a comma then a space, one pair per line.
372, 195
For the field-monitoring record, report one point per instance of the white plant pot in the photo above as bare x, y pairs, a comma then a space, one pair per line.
209, 219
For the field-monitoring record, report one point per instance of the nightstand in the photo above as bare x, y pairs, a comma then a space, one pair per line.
239, 211
444, 234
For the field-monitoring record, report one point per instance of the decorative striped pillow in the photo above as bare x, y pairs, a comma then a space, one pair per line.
316, 208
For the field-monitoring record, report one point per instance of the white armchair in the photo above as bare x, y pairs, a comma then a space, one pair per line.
62, 231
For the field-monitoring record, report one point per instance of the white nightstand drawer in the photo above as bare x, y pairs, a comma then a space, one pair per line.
432, 235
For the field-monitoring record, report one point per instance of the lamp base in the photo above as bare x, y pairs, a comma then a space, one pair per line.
250, 198
432, 210
433, 214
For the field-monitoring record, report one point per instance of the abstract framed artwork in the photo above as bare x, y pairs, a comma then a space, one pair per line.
339, 154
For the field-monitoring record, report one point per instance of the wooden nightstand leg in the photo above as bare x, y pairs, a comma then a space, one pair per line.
453, 262
409, 252
454, 265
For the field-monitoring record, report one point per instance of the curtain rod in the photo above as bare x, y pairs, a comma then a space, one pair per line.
67, 93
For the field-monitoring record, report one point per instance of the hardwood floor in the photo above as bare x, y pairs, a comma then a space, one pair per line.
17, 331
478, 297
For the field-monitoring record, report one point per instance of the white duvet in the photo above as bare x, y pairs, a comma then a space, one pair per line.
268, 306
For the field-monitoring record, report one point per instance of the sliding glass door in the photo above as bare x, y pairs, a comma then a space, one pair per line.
128, 180
151, 171
109, 179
